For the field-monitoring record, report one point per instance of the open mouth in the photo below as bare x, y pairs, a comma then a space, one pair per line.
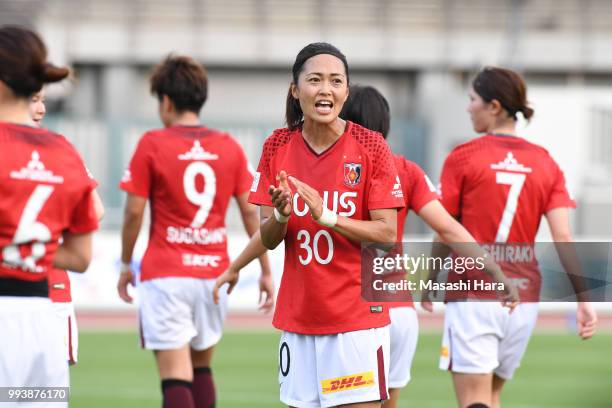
324, 107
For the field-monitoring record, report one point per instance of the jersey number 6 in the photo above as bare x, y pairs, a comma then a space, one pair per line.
30, 230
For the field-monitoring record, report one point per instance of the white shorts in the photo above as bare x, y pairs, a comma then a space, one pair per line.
65, 311
179, 311
332, 370
404, 334
483, 337
31, 350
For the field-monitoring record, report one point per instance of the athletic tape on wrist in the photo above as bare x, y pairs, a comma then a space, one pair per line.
125, 267
283, 219
328, 218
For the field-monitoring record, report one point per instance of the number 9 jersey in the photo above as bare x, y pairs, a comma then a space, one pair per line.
189, 175
44, 191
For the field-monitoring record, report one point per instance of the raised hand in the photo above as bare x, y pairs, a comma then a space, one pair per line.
281, 196
310, 196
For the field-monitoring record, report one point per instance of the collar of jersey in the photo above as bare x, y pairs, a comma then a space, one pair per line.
347, 129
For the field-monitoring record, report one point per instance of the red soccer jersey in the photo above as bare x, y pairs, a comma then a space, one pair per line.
44, 190
320, 291
418, 190
499, 187
189, 175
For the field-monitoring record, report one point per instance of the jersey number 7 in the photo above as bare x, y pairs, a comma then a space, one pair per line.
516, 181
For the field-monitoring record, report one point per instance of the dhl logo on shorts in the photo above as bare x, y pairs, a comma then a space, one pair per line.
348, 382
444, 351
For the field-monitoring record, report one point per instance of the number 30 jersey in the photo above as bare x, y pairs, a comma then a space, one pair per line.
189, 175
44, 191
320, 291
499, 187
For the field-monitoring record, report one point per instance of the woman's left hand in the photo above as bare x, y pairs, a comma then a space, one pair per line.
310, 196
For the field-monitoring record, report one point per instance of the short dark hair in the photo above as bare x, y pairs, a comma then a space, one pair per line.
367, 107
505, 86
183, 80
23, 61
293, 112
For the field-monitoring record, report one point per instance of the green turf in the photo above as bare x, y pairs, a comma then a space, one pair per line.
558, 371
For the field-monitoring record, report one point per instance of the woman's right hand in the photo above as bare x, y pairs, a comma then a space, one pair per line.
281, 196
509, 295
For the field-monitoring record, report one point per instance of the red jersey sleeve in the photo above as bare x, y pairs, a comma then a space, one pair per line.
84, 217
137, 177
385, 186
244, 178
265, 176
423, 191
559, 195
451, 183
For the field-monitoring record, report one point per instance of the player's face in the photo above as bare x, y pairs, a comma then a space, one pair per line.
480, 112
322, 88
37, 107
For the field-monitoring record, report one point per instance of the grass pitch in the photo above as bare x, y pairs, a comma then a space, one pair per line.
559, 370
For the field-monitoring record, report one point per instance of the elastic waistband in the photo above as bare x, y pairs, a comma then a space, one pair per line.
23, 288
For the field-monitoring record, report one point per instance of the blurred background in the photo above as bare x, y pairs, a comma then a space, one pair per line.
421, 54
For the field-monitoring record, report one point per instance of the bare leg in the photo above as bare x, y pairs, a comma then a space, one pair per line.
174, 364
394, 394
498, 384
472, 388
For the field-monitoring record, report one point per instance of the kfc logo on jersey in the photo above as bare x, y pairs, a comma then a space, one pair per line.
197, 152
352, 174
36, 171
511, 164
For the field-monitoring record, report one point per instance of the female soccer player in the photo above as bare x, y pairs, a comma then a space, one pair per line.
188, 172
369, 107
45, 195
325, 185
58, 279
499, 186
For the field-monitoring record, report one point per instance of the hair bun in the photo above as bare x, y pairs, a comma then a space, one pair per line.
527, 112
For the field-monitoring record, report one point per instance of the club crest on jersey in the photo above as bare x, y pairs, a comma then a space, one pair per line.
510, 164
35, 170
352, 174
197, 152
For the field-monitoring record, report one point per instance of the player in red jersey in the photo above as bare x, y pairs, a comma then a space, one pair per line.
369, 108
499, 186
325, 185
58, 279
188, 172
45, 196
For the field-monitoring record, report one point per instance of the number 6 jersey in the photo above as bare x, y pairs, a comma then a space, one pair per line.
44, 191
320, 291
189, 175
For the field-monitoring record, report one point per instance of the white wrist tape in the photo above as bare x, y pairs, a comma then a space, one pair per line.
125, 267
283, 219
328, 218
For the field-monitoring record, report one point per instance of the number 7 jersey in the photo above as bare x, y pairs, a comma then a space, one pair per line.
189, 175
320, 291
499, 187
